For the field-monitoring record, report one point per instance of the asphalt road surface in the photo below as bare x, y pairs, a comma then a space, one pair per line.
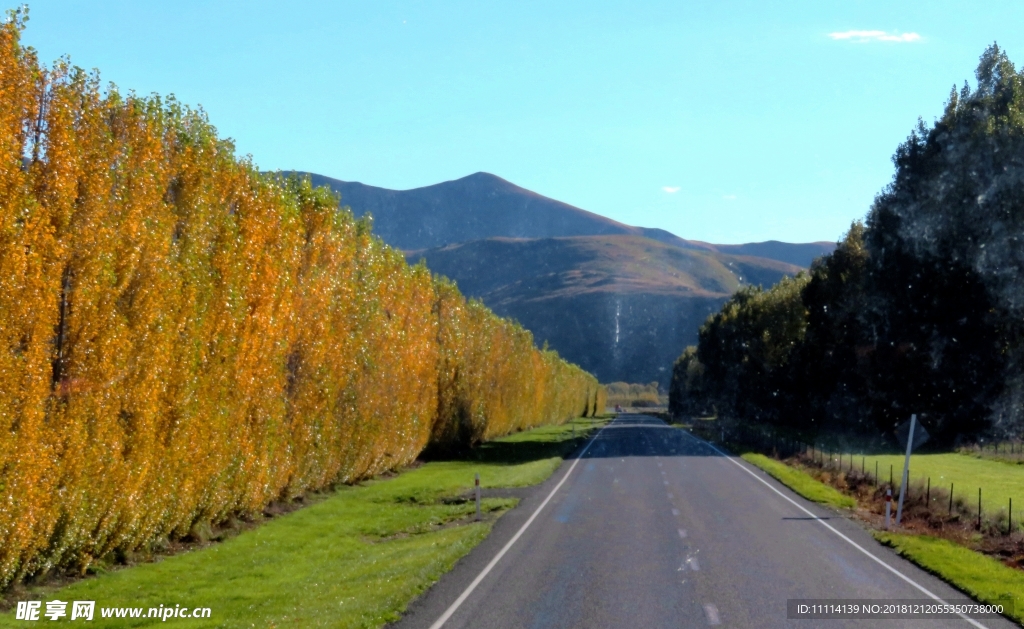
651, 527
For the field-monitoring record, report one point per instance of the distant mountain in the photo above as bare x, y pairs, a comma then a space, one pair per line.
482, 205
620, 301
800, 254
474, 207
620, 306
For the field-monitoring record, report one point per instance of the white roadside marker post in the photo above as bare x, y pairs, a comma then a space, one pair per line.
478, 497
906, 469
888, 507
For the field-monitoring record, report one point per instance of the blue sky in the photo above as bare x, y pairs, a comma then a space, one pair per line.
727, 122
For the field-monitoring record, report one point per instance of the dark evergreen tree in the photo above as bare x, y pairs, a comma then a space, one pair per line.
920, 311
945, 259
828, 365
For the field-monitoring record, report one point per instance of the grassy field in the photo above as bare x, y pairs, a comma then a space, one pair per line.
800, 482
998, 481
982, 577
1006, 451
353, 559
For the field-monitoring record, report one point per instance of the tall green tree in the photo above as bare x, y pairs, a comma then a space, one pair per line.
828, 365
745, 350
945, 258
921, 310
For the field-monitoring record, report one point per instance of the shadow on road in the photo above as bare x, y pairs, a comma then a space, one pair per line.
639, 435
627, 436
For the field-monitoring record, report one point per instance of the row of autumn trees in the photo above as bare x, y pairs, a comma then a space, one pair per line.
919, 310
183, 339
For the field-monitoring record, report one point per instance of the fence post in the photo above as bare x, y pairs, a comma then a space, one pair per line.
979, 508
951, 499
477, 497
1009, 518
876, 472
928, 495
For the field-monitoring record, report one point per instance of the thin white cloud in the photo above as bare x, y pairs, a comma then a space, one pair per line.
729, 197
671, 189
862, 37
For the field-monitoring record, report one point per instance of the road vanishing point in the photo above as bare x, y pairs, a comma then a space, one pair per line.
649, 526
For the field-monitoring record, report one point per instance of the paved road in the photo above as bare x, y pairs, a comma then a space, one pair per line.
654, 528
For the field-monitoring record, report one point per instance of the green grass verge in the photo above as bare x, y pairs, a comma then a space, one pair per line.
984, 578
801, 482
355, 559
998, 481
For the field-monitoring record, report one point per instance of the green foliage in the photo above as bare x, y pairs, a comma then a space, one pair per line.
827, 383
628, 394
918, 311
745, 349
687, 396
943, 298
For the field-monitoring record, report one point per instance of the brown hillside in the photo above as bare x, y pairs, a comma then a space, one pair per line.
620, 306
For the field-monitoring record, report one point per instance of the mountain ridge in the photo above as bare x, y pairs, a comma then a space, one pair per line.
483, 205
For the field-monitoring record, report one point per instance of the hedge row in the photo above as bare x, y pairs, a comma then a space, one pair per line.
183, 339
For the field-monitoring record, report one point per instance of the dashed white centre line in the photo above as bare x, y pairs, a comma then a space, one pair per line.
675, 511
682, 533
712, 613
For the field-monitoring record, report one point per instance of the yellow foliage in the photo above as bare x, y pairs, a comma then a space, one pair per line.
183, 339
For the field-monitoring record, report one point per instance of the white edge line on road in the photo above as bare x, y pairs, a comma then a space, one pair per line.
829, 527
483, 573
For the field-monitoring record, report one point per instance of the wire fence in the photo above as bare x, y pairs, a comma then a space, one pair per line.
936, 502
1006, 450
